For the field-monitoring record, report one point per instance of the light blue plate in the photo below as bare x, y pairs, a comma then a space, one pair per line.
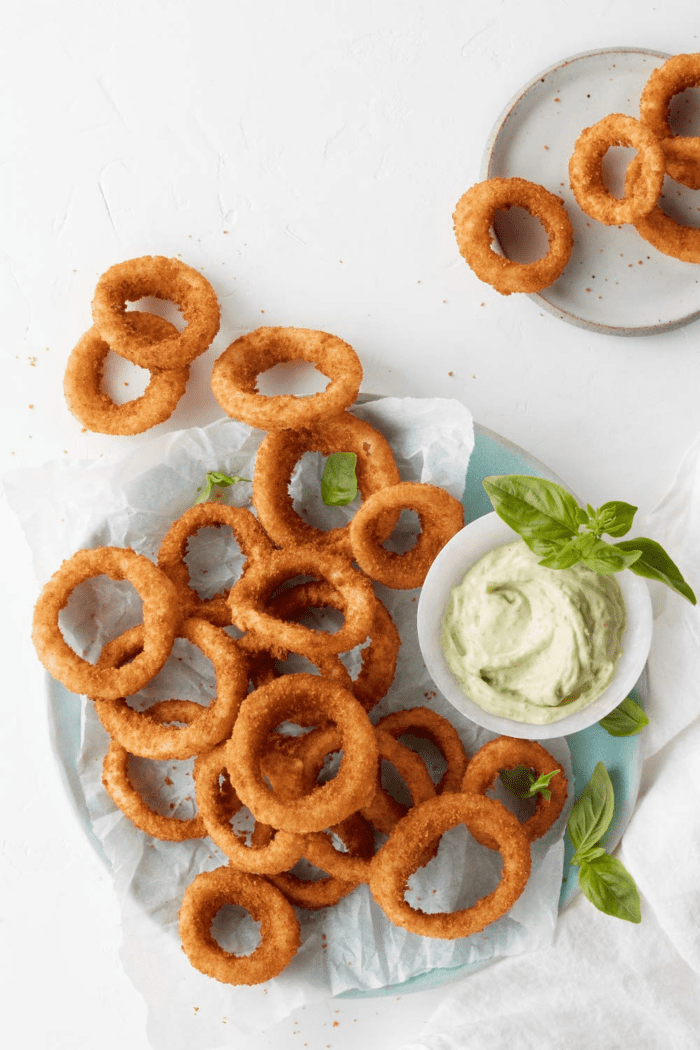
621, 755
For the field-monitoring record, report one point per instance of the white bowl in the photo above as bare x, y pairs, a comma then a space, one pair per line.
449, 569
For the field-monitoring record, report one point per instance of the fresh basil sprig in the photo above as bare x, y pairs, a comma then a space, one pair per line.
522, 783
339, 481
602, 878
215, 479
626, 720
563, 534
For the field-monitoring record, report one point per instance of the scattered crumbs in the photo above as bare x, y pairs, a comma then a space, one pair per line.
545, 147
588, 96
336, 1024
196, 1009
32, 361
225, 231
588, 289
557, 100
125, 383
172, 805
31, 406
262, 311
444, 300
450, 373
629, 266
640, 263
483, 304
168, 781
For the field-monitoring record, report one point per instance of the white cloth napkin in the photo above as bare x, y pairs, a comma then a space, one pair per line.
605, 983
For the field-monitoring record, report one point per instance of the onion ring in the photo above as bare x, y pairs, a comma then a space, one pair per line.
277, 456
116, 782
423, 722
234, 375
358, 836
91, 406
506, 752
473, 218
382, 810
663, 232
142, 735
398, 857
586, 170
161, 278
285, 699
440, 516
248, 533
161, 617
279, 926
682, 152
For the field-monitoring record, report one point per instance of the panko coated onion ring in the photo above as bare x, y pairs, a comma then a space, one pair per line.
280, 935
249, 597
142, 735
474, 216
440, 516
382, 810
248, 533
306, 696
682, 152
161, 618
160, 278
235, 372
586, 170
423, 722
91, 406
405, 847
507, 752
279, 453
116, 782
663, 232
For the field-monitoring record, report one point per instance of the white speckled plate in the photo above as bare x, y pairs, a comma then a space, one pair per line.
615, 282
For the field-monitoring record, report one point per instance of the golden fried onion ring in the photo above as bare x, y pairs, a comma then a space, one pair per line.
233, 378
682, 153
586, 170
161, 618
473, 218
157, 277
663, 232
424, 722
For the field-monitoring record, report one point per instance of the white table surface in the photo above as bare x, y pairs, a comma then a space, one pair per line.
307, 157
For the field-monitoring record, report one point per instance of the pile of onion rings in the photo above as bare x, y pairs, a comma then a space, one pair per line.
299, 807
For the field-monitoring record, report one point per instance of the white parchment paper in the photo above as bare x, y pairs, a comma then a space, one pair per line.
131, 501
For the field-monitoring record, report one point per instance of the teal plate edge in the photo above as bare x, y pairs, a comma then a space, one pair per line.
492, 454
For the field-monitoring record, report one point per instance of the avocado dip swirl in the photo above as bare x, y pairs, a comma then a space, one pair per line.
531, 643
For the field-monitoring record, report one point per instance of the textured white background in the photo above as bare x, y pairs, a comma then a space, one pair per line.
307, 157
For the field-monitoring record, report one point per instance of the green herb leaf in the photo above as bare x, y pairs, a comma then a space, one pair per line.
655, 564
535, 508
591, 815
625, 720
584, 856
616, 517
521, 782
215, 479
339, 481
606, 558
607, 884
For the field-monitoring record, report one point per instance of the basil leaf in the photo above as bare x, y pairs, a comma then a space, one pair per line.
591, 815
585, 856
521, 782
625, 720
215, 479
616, 517
607, 558
534, 507
607, 884
655, 564
566, 556
339, 481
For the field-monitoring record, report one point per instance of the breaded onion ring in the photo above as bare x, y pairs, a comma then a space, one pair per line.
473, 218
233, 378
586, 170
248, 533
423, 722
403, 850
382, 810
682, 153
358, 837
280, 936
91, 406
115, 778
249, 597
161, 617
663, 232
506, 752
306, 696
279, 453
140, 734
440, 516
160, 278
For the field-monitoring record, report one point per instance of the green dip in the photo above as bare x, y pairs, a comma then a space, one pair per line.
530, 643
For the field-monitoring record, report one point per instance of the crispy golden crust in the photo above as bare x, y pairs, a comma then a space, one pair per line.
682, 153
586, 170
282, 449
280, 936
160, 278
423, 722
415, 834
91, 406
440, 516
473, 218
663, 232
235, 373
